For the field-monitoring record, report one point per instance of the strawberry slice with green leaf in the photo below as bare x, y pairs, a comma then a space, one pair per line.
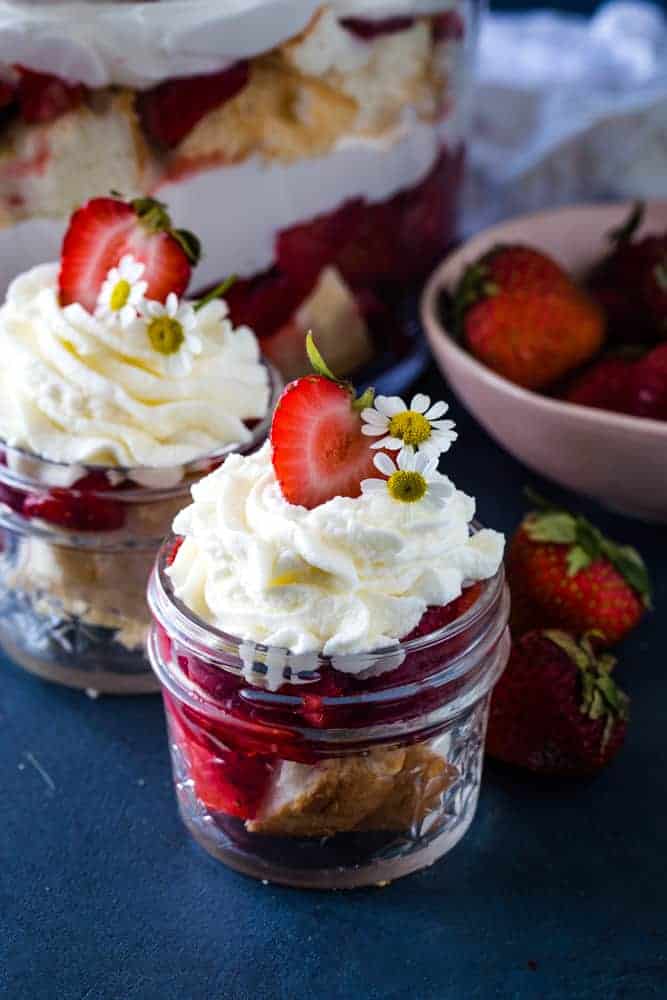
106, 229
319, 451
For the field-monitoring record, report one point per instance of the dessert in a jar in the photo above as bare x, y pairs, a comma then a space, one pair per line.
329, 622
116, 393
315, 147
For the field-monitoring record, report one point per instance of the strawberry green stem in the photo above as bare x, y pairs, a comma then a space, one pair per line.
217, 292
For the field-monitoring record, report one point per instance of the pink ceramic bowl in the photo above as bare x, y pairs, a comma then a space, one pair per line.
620, 461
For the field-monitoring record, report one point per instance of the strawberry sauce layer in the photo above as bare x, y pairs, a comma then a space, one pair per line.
81, 507
373, 246
233, 758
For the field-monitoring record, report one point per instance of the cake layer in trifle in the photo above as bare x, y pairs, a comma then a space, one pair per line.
342, 121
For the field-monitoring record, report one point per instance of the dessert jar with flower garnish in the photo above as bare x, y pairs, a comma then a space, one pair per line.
342, 124
329, 622
117, 393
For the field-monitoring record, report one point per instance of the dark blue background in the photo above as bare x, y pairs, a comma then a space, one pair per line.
558, 890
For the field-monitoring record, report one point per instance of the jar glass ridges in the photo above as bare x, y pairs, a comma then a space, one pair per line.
329, 791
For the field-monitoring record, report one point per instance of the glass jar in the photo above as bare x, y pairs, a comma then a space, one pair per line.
77, 545
316, 150
304, 771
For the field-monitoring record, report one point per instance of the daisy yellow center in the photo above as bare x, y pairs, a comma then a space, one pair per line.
412, 428
406, 486
165, 334
120, 294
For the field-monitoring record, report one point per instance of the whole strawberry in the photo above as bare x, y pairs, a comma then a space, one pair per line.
520, 314
563, 573
647, 385
604, 385
630, 283
556, 709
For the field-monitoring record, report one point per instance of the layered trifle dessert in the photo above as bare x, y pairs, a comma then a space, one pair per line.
329, 621
316, 148
116, 393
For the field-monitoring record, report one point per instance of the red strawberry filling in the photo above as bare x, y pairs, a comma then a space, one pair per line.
171, 110
373, 246
232, 762
368, 30
75, 509
448, 26
43, 98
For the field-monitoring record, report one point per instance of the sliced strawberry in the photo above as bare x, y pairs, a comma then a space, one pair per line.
230, 782
171, 110
224, 780
319, 451
174, 550
105, 229
43, 97
268, 301
368, 29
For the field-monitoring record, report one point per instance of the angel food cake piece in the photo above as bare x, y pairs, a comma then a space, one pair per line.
339, 537
114, 388
341, 124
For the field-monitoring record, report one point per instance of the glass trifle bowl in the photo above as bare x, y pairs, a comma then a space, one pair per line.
116, 394
316, 148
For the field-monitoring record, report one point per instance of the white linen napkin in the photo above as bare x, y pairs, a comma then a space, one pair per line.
568, 109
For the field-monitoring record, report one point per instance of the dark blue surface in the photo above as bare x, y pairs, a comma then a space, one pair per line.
558, 891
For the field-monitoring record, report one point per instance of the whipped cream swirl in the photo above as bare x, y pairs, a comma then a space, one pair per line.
77, 389
349, 576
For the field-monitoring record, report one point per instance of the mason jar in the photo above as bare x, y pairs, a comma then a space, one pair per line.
316, 150
77, 544
320, 772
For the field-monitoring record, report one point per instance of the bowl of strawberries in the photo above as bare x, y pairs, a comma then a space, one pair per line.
552, 330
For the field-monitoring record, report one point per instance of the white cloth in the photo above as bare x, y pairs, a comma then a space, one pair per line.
568, 109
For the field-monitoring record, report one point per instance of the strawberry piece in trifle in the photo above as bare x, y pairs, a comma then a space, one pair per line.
328, 624
117, 392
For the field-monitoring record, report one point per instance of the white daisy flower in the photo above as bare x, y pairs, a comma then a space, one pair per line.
413, 477
172, 330
419, 427
122, 293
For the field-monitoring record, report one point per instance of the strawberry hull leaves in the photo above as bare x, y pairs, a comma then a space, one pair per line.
556, 709
587, 544
563, 573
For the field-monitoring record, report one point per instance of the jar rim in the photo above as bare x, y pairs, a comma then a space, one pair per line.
217, 647
194, 468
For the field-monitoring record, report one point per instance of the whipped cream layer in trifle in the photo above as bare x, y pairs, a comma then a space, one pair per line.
312, 133
117, 390
338, 539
